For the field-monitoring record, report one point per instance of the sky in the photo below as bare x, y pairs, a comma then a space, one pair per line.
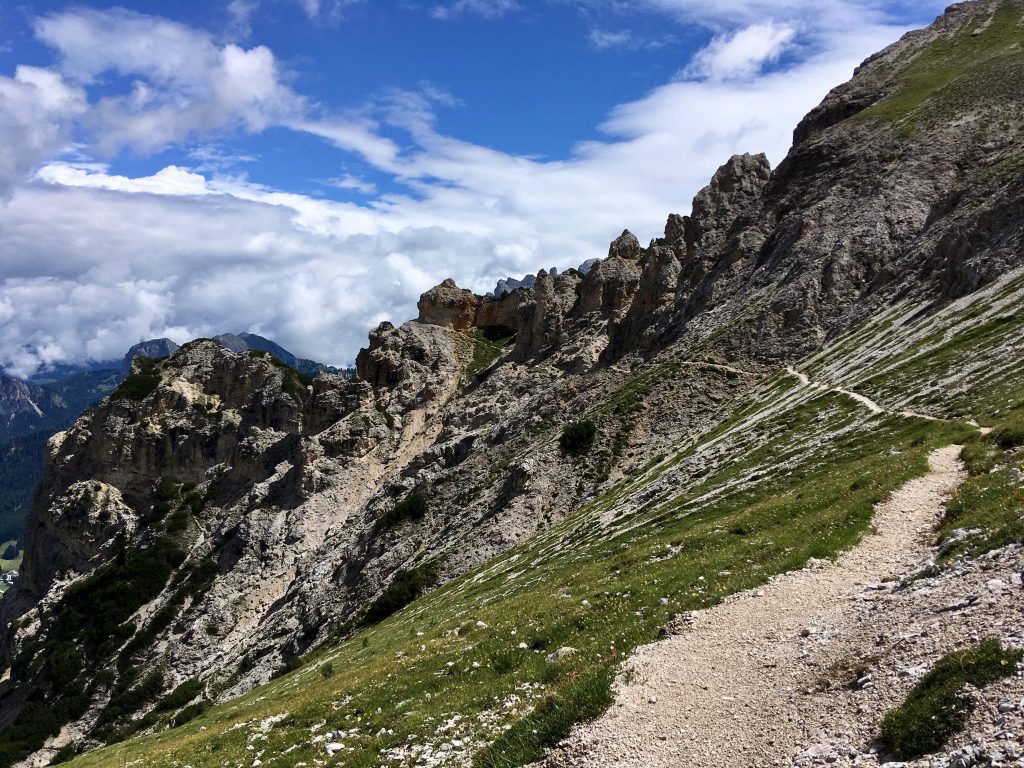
305, 169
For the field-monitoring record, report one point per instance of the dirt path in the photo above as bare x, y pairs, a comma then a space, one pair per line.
724, 692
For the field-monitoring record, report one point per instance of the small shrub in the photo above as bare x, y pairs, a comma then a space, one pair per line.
578, 437
506, 660
293, 382
1009, 436
290, 665
180, 696
191, 712
980, 457
405, 587
388, 418
64, 754
141, 382
412, 507
936, 708
327, 671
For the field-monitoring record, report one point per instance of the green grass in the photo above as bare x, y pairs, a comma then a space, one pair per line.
488, 344
142, 381
991, 501
936, 709
458, 649
964, 68
960, 361
14, 563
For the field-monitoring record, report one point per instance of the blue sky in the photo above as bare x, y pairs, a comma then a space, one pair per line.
305, 169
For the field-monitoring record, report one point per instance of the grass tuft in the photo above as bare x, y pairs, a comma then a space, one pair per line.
937, 708
585, 696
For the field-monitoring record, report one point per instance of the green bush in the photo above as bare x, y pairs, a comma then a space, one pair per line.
578, 437
1010, 435
293, 382
180, 696
388, 418
290, 665
128, 697
91, 619
405, 587
191, 712
936, 708
979, 456
141, 382
412, 507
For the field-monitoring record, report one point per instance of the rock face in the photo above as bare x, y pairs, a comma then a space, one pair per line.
270, 499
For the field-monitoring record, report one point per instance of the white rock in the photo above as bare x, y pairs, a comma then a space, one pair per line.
560, 654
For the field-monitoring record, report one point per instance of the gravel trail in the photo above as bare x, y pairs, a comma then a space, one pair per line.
726, 690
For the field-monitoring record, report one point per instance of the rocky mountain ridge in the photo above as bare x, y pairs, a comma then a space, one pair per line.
282, 511
32, 410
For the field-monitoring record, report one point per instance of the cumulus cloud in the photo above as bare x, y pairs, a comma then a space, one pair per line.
489, 9
183, 83
741, 54
36, 110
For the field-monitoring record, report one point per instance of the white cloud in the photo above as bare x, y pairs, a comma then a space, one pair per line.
331, 10
488, 9
240, 13
36, 110
184, 84
603, 39
348, 181
741, 54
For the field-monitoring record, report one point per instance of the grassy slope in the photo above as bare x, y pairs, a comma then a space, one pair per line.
982, 62
785, 480
791, 475
14, 564
963, 360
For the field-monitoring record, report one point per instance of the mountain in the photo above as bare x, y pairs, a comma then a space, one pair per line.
446, 560
250, 341
27, 407
32, 410
154, 348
